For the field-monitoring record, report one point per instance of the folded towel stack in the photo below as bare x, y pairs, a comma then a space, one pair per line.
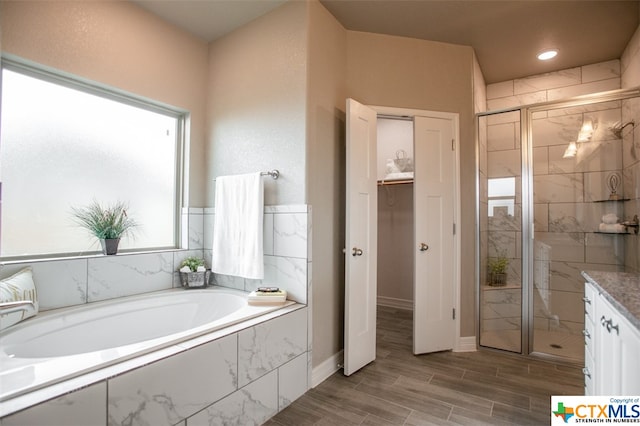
267, 296
610, 218
612, 228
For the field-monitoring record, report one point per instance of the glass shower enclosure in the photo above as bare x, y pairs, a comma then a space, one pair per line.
556, 182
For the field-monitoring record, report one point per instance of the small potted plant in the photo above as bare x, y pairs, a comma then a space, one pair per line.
108, 223
498, 270
193, 273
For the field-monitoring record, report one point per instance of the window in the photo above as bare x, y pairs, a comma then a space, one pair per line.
64, 144
502, 196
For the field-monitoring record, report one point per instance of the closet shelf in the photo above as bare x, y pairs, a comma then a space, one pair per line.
394, 182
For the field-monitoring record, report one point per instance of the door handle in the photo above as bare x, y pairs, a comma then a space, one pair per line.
356, 252
424, 247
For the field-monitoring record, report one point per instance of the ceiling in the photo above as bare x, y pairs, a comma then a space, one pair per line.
505, 34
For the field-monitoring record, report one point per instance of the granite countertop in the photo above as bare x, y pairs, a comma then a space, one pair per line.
621, 289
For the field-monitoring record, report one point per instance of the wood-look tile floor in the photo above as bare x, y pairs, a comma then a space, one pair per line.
444, 388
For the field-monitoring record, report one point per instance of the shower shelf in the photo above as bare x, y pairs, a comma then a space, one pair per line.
504, 287
613, 201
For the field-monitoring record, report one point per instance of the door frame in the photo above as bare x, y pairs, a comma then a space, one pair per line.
455, 117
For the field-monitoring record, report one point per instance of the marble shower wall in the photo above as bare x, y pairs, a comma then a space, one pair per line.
631, 174
568, 193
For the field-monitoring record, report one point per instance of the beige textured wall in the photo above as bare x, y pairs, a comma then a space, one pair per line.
325, 176
410, 73
256, 103
120, 45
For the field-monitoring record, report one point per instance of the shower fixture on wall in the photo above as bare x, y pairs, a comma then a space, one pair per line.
618, 127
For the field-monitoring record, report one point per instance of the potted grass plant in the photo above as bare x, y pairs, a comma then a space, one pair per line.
193, 273
498, 270
108, 223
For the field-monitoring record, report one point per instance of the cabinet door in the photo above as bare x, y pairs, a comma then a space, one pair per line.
617, 349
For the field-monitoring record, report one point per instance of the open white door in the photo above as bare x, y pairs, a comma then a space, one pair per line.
361, 232
433, 288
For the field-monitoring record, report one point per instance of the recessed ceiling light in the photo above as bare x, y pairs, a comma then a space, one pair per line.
545, 55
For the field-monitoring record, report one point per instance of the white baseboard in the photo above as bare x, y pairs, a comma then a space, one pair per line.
466, 344
322, 372
395, 303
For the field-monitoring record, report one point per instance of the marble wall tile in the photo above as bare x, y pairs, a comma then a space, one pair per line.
502, 242
504, 163
502, 324
517, 100
207, 220
596, 185
502, 303
630, 62
601, 71
165, 392
568, 306
230, 281
583, 89
579, 217
292, 380
116, 276
504, 117
541, 217
565, 246
290, 235
252, 405
503, 136
59, 283
271, 344
632, 253
500, 221
196, 228
631, 182
565, 276
558, 188
268, 237
541, 160
558, 130
288, 273
552, 80
605, 249
84, 407
631, 134
591, 157
500, 90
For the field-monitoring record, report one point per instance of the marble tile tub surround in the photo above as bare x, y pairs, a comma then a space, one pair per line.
68, 282
245, 377
621, 289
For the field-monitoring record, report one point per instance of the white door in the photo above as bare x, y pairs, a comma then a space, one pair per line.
434, 191
361, 238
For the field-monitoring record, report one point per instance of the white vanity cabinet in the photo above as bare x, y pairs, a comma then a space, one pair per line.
612, 348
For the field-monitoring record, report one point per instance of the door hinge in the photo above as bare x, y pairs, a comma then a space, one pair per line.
454, 313
454, 229
453, 144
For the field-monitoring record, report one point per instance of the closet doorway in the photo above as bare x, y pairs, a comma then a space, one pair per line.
433, 243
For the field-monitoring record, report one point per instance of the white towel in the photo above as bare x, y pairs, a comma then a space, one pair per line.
612, 228
237, 227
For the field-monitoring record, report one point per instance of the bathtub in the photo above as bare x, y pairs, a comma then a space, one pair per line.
61, 345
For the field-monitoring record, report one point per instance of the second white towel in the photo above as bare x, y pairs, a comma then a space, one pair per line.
237, 227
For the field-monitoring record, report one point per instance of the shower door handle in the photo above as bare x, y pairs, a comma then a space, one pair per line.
424, 247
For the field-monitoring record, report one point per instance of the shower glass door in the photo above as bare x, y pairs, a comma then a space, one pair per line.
577, 180
500, 231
